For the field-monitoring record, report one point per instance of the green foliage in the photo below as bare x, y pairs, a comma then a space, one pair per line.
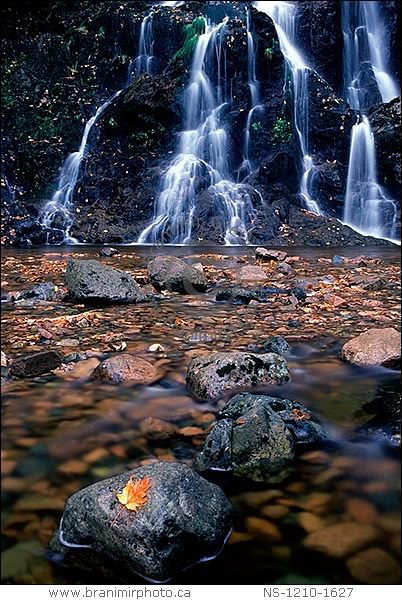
192, 33
270, 50
282, 131
257, 127
145, 140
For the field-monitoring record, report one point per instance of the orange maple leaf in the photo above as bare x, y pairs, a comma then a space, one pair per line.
133, 496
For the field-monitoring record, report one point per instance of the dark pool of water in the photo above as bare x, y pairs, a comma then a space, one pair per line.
61, 434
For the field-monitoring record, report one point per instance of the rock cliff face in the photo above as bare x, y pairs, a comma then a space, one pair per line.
60, 63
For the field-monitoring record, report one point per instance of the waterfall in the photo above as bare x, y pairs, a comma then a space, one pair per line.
368, 208
255, 105
60, 207
283, 15
57, 215
143, 61
202, 159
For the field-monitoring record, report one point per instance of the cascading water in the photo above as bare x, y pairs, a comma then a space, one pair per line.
143, 61
59, 209
57, 215
202, 156
283, 15
368, 209
253, 84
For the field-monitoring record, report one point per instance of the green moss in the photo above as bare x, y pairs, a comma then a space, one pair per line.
192, 33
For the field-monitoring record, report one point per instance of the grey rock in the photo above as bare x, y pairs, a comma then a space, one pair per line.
257, 436
36, 364
265, 254
91, 282
210, 376
43, 291
108, 251
173, 274
277, 344
185, 520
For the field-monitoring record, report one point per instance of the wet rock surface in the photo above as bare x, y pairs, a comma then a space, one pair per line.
374, 347
91, 282
126, 367
185, 520
374, 566
342, 539
257, 436
211, 376
173, 274
36, 364
385, 410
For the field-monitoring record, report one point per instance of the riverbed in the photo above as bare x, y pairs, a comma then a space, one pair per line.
65, 430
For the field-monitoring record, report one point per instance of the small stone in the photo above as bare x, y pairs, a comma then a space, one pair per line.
342, 539
191, 431
374, 566
3, 359
108, 252
362, 511
156, 348
73, 467
126, 367
156, 429
95, 456
252, 273
310, 522
265, 254
274, 512
269, 531
69, 342
285, 268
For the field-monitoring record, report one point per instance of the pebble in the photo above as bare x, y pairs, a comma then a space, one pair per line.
156, 429
362, 511
342, 539
269, 531
310, 522
238, 537
257, 499
96, 455
191, 431
374, 566
73, 467
35, 502
274, 512
3, 359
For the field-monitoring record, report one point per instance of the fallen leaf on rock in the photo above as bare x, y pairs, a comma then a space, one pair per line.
118, 347
133, 496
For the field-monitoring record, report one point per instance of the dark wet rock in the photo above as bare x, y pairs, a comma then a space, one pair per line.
44, 291
173, 274
240, 295
185, 520
385, 122
265, 254
277, 344
108, 252
210, 376
36, 364
385, 410
92, 282
371, 284
126, 367
257, 436
374, 347
294, 323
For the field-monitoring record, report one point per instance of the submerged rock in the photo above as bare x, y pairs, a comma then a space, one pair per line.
43, 291
185, 520
257, 435
92, 282
211, 375
342, 539
36, 364
385, 422
374, 347
173, 274
126, 367
374, 566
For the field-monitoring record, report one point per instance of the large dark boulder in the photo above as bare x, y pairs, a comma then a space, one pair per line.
185, 520
173, 274
91, 282
257, 436
211, 376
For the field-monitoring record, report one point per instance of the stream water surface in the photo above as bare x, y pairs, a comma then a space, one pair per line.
61, 432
